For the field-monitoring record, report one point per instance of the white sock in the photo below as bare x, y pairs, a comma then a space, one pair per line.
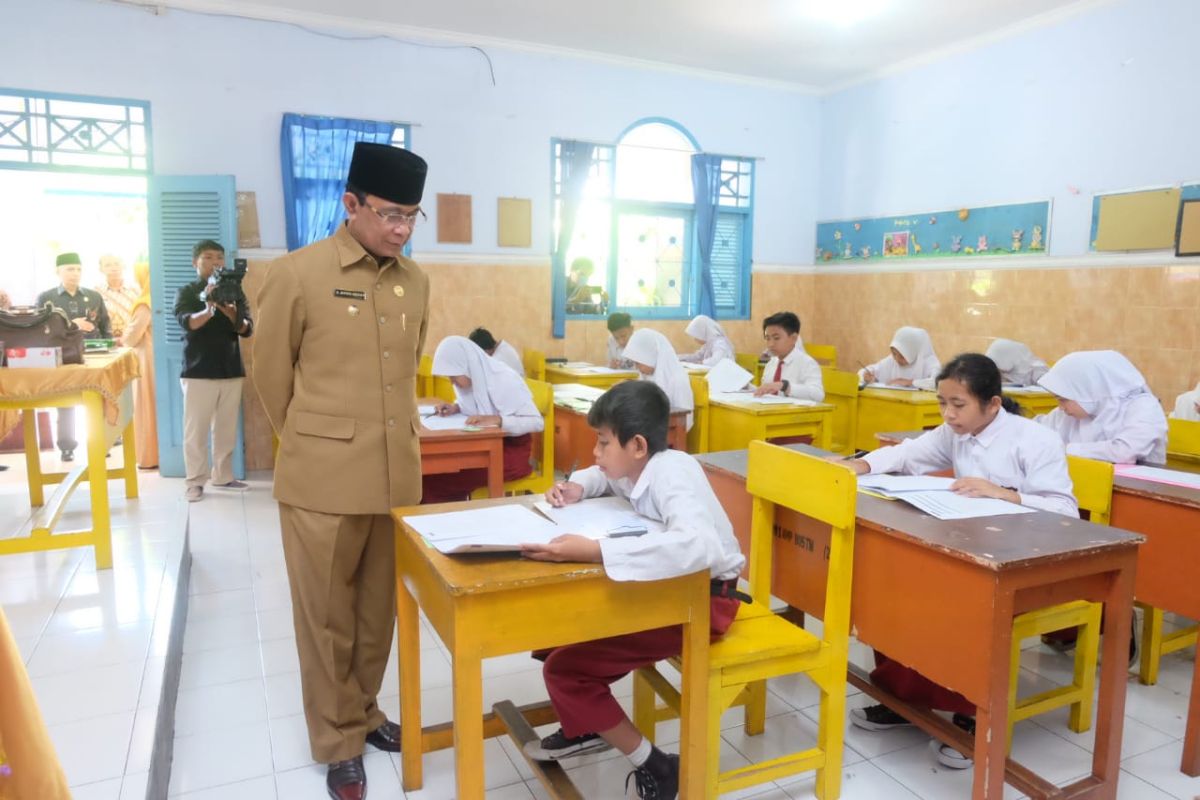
641, 752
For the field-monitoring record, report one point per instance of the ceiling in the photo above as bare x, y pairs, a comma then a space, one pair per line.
813, 44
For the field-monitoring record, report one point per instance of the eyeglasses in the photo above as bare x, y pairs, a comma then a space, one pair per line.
395, 220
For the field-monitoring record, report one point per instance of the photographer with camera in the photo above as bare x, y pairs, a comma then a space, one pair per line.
212, 311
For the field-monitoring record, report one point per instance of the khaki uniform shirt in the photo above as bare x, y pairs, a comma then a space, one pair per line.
335, 361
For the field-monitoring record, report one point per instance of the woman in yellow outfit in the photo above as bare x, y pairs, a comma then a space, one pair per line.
138, 336
29, 768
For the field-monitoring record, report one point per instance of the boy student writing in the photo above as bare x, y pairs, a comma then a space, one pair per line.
1105, 409
912, 361
791, 371
500, 350
632, 461
620, 328
994, 453
714, 344
653, 356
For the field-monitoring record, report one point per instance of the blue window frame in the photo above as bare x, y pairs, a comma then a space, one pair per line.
76, 133
636, 226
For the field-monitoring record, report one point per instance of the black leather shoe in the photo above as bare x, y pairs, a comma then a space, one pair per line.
68, 455
347, 780
386, 737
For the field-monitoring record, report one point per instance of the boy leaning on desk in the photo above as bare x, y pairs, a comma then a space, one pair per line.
633, 462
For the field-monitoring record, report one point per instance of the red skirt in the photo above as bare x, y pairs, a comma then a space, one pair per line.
913, 687
452, 486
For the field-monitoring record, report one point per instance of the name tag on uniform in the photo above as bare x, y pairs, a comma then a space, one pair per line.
350, 294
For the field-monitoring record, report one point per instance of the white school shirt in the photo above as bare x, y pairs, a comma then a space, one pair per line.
922, 374
710, 353
507, 354
1186, 406
801, 371
616, 354
674, 490
1139, 433
1012, 452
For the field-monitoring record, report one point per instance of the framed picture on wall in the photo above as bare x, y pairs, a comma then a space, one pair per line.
895, 243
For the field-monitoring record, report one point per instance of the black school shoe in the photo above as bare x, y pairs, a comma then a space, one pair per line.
347, 780
877, 718
557, 745
658, 778
386, 737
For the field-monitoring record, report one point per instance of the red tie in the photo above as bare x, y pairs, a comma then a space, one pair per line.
779, 371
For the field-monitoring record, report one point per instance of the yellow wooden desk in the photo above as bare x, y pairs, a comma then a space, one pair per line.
893, 410
490, 605
102, 385
1033, 403
734, 424
557, 373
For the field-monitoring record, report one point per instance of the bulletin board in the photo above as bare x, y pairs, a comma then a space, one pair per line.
1166, 217
1187, 238
514, 221
1013, 230
1137, 220
454, 218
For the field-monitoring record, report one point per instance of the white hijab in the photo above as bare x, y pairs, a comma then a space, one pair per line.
1016, 362
652, 349
705, 329
914, 344
495, 388
1103, 383
1187, 405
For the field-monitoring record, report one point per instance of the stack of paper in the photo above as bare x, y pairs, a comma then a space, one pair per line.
577, 390
933, 496
1024, 390
727, 376
507, 527
692, 367
1157, 475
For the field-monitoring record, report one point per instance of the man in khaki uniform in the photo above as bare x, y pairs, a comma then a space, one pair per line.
341, 328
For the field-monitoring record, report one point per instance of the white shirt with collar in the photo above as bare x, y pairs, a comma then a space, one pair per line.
616, 354
674, 490
1011, 451
801, 371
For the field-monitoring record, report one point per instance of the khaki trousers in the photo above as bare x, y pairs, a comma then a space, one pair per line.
342, 575
210, 405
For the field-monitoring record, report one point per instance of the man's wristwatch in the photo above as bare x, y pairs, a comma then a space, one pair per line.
785, 386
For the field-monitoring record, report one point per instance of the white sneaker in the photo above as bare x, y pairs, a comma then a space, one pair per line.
947, 756
194, 493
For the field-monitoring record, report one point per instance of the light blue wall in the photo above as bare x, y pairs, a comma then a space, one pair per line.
1102, 101
218, 87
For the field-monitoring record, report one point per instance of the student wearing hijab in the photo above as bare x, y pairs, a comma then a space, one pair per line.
1105, 409
1018, 365
491, 395
1187, 405
715, 345
500, 350
653, 356
912, 361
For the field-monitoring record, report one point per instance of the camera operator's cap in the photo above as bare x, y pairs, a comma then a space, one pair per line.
67, 258
393, 173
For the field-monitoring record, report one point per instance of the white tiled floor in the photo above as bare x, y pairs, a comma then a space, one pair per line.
240, 729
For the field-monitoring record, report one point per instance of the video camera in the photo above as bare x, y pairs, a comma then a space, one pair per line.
225, 285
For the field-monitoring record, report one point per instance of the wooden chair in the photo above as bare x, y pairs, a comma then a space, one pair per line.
698, 436
760, 645
1183, 448
425, 376
535, 364
841, 391
443, 389
1093, 481
542, 478
825, 354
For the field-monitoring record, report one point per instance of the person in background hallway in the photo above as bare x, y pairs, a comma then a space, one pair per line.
138, 336
118, 295
343, 323
86, 309
212, 374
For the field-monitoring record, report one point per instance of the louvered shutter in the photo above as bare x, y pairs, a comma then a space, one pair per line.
729, 267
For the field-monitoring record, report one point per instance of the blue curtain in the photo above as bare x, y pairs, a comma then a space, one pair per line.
315, 154
706, 187
576, 160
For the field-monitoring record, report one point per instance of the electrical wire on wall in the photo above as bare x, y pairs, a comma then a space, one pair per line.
160, 8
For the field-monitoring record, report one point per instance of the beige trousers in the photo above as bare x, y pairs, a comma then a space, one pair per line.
210, 405
341, 570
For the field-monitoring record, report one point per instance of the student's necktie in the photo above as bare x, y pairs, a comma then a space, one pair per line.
778, 371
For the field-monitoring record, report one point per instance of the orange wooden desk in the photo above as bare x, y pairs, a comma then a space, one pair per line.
490, 605
1169, 517
574, 439
940, 596
452, 451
